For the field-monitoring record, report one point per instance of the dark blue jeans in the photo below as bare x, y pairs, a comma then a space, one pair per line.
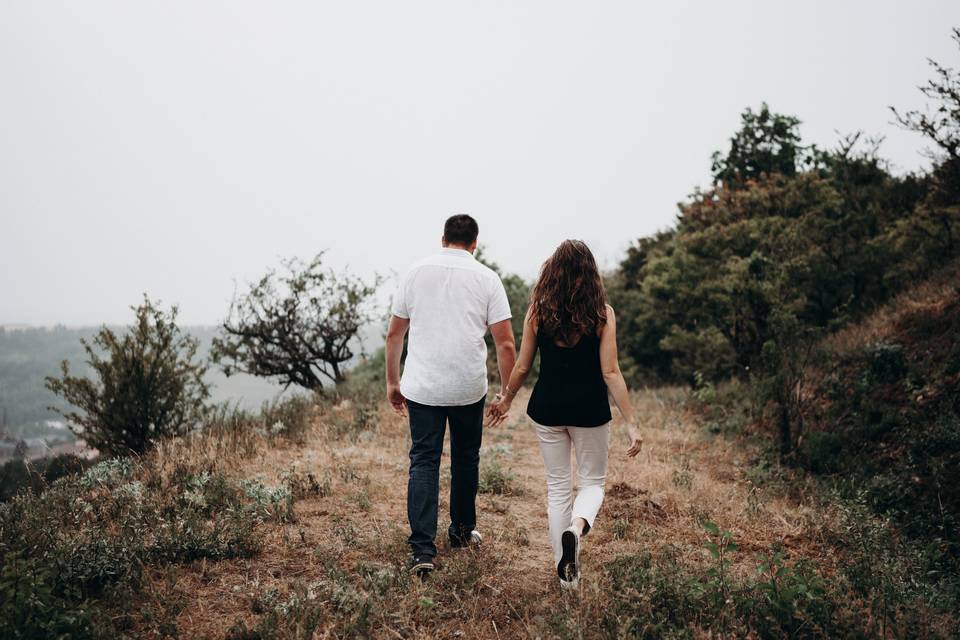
427, 427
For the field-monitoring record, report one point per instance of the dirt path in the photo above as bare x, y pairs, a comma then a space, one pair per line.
683, 476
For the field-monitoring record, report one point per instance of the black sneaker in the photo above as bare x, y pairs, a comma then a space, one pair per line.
421, 565
475, 540
569, 566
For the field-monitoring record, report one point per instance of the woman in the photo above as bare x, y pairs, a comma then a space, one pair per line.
575, 330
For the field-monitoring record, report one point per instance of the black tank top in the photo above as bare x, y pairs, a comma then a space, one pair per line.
570, 391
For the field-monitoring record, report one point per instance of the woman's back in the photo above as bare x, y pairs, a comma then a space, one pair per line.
570, 391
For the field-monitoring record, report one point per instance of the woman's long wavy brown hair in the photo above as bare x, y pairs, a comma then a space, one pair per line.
569, 300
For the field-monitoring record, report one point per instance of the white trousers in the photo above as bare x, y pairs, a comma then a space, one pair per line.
590, 445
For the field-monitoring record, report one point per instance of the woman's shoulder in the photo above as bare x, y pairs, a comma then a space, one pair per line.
531, 318
611, 316
609, 320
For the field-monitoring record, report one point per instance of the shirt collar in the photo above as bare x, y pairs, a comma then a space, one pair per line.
451, 251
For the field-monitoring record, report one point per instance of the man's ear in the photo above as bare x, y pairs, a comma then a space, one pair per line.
473, 247
443, 241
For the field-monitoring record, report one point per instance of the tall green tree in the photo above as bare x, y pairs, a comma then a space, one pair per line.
766, 143
933, 230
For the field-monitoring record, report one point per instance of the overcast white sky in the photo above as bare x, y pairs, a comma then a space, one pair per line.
175, 147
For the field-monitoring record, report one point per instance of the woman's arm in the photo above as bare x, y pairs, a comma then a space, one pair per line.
497, 412
528, 349
610, 365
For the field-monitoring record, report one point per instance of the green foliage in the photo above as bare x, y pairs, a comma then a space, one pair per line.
767, 143
789, 244
29, 606
351, 600
656, 596
360, 397
905, 585
146, 386
496, 478
720, 544
889, 418
299, 327
367, 380
518, 295
17, 475
87, 540
933, 233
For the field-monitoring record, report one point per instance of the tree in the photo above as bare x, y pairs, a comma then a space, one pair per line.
766, 143
299, 327
147, 385
934, 228
942, 126
518, 295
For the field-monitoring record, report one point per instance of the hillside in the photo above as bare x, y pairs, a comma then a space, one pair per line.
310, 543
883, 406
355, 533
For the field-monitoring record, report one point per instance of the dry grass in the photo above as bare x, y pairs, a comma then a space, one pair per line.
357, 524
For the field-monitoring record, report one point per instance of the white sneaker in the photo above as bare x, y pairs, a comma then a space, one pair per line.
475, 541
569, 566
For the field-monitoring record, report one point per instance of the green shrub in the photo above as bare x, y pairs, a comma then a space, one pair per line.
34, 475
31, 607
652, 596
903, 583
88, 538
497, 479
655, 596
146, 386
15, 476
289, 418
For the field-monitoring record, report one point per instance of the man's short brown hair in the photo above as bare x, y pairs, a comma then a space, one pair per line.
460, 229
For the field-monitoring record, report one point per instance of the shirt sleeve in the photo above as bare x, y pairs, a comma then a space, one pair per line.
399, 305
498, 307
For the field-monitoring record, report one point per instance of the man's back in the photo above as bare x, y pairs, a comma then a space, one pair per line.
450, 300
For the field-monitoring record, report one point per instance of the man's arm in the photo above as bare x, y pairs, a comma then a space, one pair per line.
394, 350
502, 333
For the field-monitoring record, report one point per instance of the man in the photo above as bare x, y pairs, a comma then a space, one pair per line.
447, 301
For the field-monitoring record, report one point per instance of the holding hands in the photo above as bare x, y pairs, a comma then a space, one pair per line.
499, 408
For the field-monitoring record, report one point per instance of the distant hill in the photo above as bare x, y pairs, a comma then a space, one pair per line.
28, 354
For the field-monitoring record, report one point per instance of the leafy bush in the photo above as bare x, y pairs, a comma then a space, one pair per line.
656, 596
87, 539
146, 387
888, 419
904, 584
497, 479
